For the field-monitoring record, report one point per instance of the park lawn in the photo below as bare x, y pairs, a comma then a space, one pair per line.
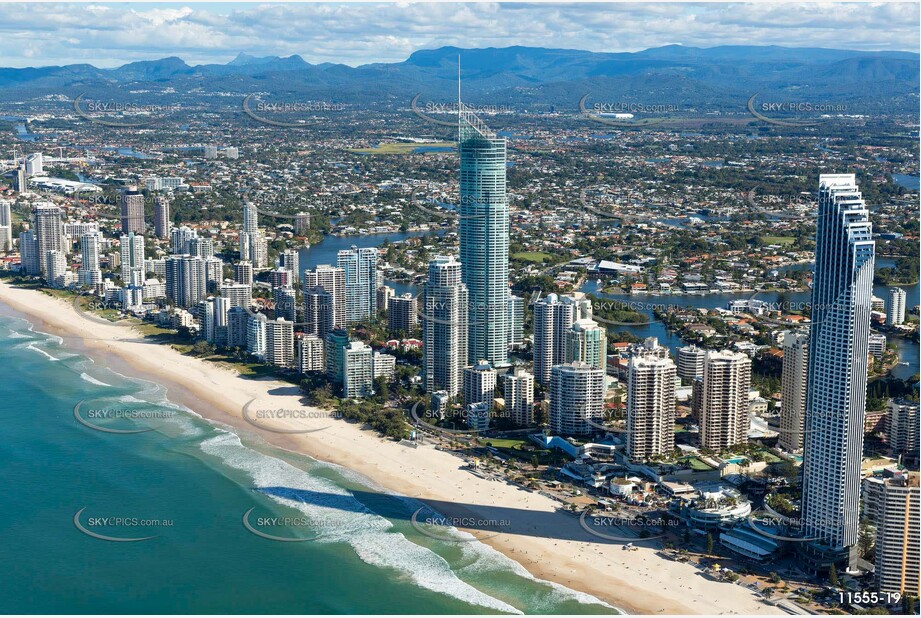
537, 257
399, 148
778, 240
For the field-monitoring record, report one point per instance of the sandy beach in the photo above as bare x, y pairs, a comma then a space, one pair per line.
549, 544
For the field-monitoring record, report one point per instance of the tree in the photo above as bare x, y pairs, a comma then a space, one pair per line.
908, 605
833, 576
202, 348
709, 544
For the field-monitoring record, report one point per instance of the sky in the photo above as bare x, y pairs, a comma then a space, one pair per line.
112, 34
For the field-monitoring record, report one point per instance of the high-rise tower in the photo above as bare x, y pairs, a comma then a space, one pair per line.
484, 236
836, 389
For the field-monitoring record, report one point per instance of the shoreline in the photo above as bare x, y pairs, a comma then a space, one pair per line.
537, 536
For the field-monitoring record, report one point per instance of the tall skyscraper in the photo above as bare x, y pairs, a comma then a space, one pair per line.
553, 319
6, 227
279, 342
836, 391
690, 363
359, 267
239, 294
46, 222
131, 249
587, 341
331, 279
132, 211
650, 408
89, 273
402, 314
358, 370
310, 353
31, 262
318, 311
243, 273
186, 280
794, 374
289, 259
162, 221
336, 340
516, 320
179, 239
576, 399
724, 420
253, 244
895, 312
484, 237
902, 429
519, 397
444, 327
893, 503
285, 303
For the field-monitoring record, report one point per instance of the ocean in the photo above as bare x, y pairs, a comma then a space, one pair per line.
171, 503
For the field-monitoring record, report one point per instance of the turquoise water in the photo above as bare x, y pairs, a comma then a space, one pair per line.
191, 483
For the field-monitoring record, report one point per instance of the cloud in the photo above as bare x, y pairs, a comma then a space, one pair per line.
110, 35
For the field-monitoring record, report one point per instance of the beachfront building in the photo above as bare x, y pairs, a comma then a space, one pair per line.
724, 420
650, 408
255, 336
895, 312
131, 252
237, 326
331, 279
310, 353
836, 389
30, 261
690, 363
358, 370
186, 280
46, 224
480, 383
336, 340
444, 327
359, 268
89, 273
576, 399
519, 397
279, 342
553, 319
484, 237
384, 365
793, 391
6, 227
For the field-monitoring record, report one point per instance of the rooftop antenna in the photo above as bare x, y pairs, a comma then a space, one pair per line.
458, 85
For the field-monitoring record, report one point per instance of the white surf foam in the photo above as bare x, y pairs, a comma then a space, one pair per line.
93, 380
340, 517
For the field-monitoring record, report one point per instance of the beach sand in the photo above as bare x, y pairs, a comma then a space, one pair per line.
551, 545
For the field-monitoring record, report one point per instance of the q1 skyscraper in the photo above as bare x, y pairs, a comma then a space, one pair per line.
484, 237
836, 390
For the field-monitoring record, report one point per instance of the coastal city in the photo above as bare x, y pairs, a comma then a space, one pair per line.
672, 340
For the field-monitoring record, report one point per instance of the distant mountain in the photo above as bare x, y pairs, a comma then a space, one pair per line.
530, 77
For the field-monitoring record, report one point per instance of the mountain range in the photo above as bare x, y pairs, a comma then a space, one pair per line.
523, 76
